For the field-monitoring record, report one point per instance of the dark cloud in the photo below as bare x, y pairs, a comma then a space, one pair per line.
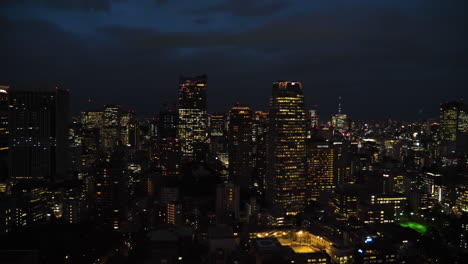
202, 21
162, 2
245, 8
384, 61
85, 5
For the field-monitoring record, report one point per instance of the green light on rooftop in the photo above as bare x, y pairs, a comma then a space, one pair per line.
415, 226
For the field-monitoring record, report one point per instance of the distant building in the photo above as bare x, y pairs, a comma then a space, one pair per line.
192, 126
217, 124
227, 203
170, 147
240, 146
4, 132
4, 117
286, 155
454, 127
320, 161
38, 123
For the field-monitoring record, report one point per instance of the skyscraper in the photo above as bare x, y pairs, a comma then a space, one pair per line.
454, 126
218, 138
320, 161
4, 131
449, 112
4, 117
286, 155
168, 141
192, 130
110, 131
240, 145
91, 143
314, 118
38, 121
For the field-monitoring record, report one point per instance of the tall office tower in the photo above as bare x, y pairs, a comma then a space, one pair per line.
449, 115
129, 131
111, 129
4, 117
192, 129
218, 137
340, 121
38, 121
75, 141
342, 163
111, 187
314, 118
92, 122
286, 154
4, 131
170, 152
259, 138
227, 203
240, 146
320, 159
168, 120
454, 126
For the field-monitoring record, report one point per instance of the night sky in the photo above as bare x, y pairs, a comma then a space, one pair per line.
386, 58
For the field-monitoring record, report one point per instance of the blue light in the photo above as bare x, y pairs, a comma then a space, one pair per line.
360, 251
369, 240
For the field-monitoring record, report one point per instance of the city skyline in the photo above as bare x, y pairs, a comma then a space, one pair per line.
233, 131
374, 54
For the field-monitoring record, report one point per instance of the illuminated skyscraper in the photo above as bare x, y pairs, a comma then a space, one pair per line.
454, 126
193, 123
286, 155
314, 118
92, 124
449, 120
118, 125
4, 131
240, 145
218, 138
38, 122
320, 159
110, 131
340, 121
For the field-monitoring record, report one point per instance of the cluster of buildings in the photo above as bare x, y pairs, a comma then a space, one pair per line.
244, 186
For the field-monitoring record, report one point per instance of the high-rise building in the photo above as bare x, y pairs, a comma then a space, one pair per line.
314, 118
454, 126
91, 134
217, 124
168, 119
240, 146
449, 117
320, 161
170, 154
38, 121
192, 128
340, 121
4, 131
4, 117
259, 138
111, 187
227, 202
286, 155
110, 131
